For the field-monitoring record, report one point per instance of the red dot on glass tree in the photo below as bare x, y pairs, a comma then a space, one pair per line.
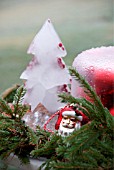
60, 44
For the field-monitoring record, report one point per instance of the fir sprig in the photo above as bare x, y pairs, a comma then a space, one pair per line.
95, 109
91, 147
4, 107
19, 109
48, 148
14, 136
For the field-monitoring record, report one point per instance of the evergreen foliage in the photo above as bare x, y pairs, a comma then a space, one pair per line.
9, 93
91, 147
14, 134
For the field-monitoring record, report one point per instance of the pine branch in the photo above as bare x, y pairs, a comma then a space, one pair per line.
48, 148
18, 100
82, 149
88, 148
87, 88
95, 110
4, 107
14, 134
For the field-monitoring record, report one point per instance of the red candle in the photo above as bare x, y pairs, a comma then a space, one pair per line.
97, 67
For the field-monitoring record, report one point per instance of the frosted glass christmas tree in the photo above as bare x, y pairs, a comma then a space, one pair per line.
46, 75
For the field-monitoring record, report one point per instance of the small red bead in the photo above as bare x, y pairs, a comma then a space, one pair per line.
60, 44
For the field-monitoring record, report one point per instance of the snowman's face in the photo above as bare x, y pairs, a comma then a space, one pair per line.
68, 122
